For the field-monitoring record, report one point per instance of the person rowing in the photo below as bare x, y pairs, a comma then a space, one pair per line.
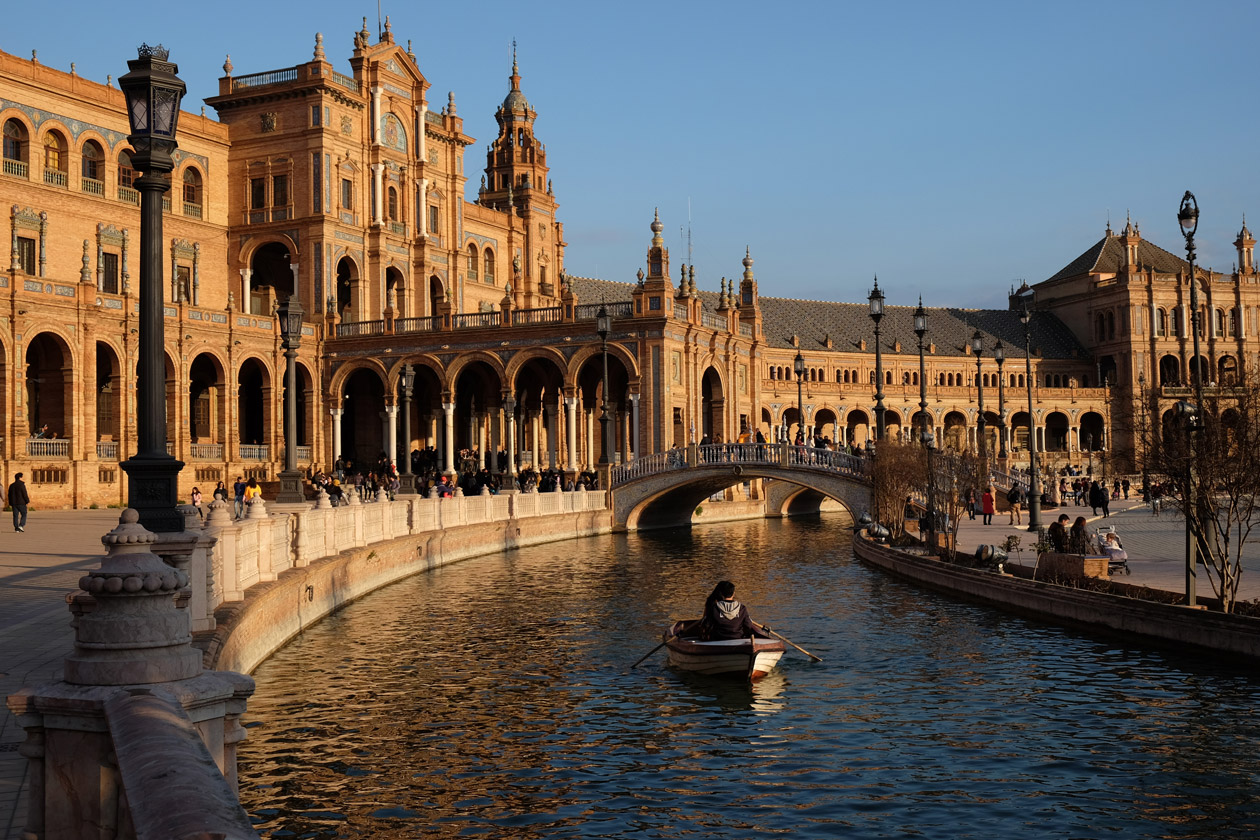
724, 617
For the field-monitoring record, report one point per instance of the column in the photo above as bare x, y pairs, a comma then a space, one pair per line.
480, 425
570, 428
335, 445
552, 410
378, 204
449, 436
374, 127
423, 108
509, 414
246, 291
590, 438
496, 435
633, 450
391, 442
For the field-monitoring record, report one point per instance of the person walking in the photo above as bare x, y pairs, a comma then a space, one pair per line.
195, 498
18, 500
971, 504
1015, 496
238, 493
986, 506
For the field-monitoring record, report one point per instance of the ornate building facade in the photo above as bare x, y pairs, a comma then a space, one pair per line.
350, 192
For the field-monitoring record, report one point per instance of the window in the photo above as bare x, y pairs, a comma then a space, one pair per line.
280, 191
257, 193
1220, 322
192, 186
433, 218
14, 141
109, 272
54, 152
1161, 323
1233, 322
314, 115
183, 282
391, 205
487, 265
26, 254
347, 194
126, 174
93, 162
542, 274
472, 261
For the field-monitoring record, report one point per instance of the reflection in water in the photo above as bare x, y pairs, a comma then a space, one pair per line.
493, 697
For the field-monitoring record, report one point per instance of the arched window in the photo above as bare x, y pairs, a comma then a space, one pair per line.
845, 374
1233, 322
472, 260
93, 161
914, 376
192, 187
1161, 323
872, 377
391, 204
1021, 380
487, 264
1220, 322
54, 152
14, 142
126, 175
888, 380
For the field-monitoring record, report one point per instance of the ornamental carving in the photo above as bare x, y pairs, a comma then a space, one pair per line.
268, 121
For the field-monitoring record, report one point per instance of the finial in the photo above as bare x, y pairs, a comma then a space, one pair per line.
319, 46
227, 65
109, 80
514, 68
640, 276
450, 103
410, 54
72, 68
657, 227
388, 30
34, 57
85, 273
748, 263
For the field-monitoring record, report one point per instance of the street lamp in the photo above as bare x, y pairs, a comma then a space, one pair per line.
603, 324
1188, 414
877, 313
798, 365
1034, 488
1146, 481
925, 437
153, 93
999, 356
982, 445
407, 479
1089, 448
290, 315
1188, 217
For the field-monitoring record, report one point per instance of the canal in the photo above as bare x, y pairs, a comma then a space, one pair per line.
494, 698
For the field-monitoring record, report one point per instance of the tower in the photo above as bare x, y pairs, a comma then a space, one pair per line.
1246, 245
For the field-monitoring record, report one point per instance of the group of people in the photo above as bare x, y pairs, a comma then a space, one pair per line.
1078, 539
985, 504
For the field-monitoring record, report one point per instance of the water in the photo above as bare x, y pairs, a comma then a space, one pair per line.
493, 698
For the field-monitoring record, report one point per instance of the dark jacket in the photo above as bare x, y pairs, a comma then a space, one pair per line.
725, 620
17, 494
1058, 537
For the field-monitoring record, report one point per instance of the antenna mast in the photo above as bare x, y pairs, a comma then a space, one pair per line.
379, 30
688, 230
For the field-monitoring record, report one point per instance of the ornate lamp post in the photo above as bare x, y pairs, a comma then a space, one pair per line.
877, 313
603, 326
999, 356
290, 315
1146, 480
798, 366
982, 445
1089, 449
153, 93
406, 478
1034, 486
1188, 218
925, 437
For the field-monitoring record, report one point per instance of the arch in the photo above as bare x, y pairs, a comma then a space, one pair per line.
192, 191
537, 385
773, 372
1100, 328
92, 167
56, 159
1169, 370
1019, 430
892, 424
362, 421
423, 439
207, 413
347, 289
393, 134
391, 203
1056, 432
396, 291
1200, 370
825, 420
1161, 322
49, 385
110, 393
1111, 325
126, 173
1093, 436
1219, 322
271, 279
254, 403
857, 427
1227, 370
472, 261
1108, 371
437, 293
1233, 322
713, 407
955, 431
16, 144
306, 401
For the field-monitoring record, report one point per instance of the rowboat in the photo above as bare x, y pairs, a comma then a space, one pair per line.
750, 658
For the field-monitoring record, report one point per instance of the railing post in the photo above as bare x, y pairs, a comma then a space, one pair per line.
693, 454
784, 454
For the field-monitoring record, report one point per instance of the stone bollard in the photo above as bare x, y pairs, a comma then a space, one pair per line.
382, 495
220, 514
322, 502
257, 509
138, 739
352, 496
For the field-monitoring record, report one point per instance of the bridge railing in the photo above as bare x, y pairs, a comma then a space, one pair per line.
767, 454
644, 465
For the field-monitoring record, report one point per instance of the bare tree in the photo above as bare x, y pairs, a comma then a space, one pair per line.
956, 473
1207, 460
898, 476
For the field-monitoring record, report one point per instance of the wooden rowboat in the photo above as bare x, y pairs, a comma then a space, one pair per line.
750, 658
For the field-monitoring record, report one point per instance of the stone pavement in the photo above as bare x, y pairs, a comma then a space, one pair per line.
1155, 545
38, 569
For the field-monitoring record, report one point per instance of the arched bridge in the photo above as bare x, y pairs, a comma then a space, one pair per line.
663, 489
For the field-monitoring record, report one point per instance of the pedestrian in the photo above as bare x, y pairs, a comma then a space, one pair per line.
971, 504
1124, 486
252, 490
18, 500
195, 498
220, 492
238, 493
986, 505
1015, 496
1059, 533
1097, 497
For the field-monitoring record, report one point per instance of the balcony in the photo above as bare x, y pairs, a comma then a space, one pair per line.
255, 452
128, 195
205, 451
17, 168
471, 320
427, 323
400, 229
107, 450
354, 329
193, 210
304, 454
56, 178
92, 186
548, 315
45, 448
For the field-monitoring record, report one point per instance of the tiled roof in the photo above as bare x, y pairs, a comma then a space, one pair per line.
1107, 256
846, 324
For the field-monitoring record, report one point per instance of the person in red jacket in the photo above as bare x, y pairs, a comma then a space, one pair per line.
986, 506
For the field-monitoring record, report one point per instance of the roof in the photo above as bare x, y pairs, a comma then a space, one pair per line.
848, 324
1107, 256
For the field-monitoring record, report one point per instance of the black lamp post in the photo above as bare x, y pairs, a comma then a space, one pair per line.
999, 356
1034, 486
925, 437
877, 313
290, 315
1188, 218
1089, 448
153, 93
406, 478
1146, 480
798, 366
603, 325
982, 448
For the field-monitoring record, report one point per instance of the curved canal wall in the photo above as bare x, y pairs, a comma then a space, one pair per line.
1170, 625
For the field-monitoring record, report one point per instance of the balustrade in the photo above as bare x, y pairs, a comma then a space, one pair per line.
255, 452
107, 450
48, 448
206, 451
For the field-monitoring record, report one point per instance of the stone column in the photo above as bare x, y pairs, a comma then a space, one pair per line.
246, 291
378, 170
633, 450
570, 427
449, 409
335, 446
553, 435
509, 412
391, 440
480, 426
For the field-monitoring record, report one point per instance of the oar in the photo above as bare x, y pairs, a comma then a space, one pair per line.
789, 641
652, 651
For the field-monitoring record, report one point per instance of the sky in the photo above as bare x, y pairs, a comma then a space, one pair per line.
952, 149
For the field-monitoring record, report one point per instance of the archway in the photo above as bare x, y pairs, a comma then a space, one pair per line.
437, 294
1169, 370
955, 431
713, 407
109, 396
362, 437
253, 410
347, 290
826, 426
422, 443
538, 387
478, 401
271, 278
857, 428
1057, 432
49, 387
396, 291
207, 410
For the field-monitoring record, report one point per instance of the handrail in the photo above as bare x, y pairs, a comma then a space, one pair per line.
546, 315
255, 452
352, 329
423, 323
781, 455
616, 309
48, 447
271, 77
470, 320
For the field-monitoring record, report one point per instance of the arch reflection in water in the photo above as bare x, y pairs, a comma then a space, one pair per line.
493, 697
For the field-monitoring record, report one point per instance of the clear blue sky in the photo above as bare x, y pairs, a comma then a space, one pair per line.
950, 148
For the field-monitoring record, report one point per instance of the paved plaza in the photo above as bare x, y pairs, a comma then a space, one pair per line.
40, 567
